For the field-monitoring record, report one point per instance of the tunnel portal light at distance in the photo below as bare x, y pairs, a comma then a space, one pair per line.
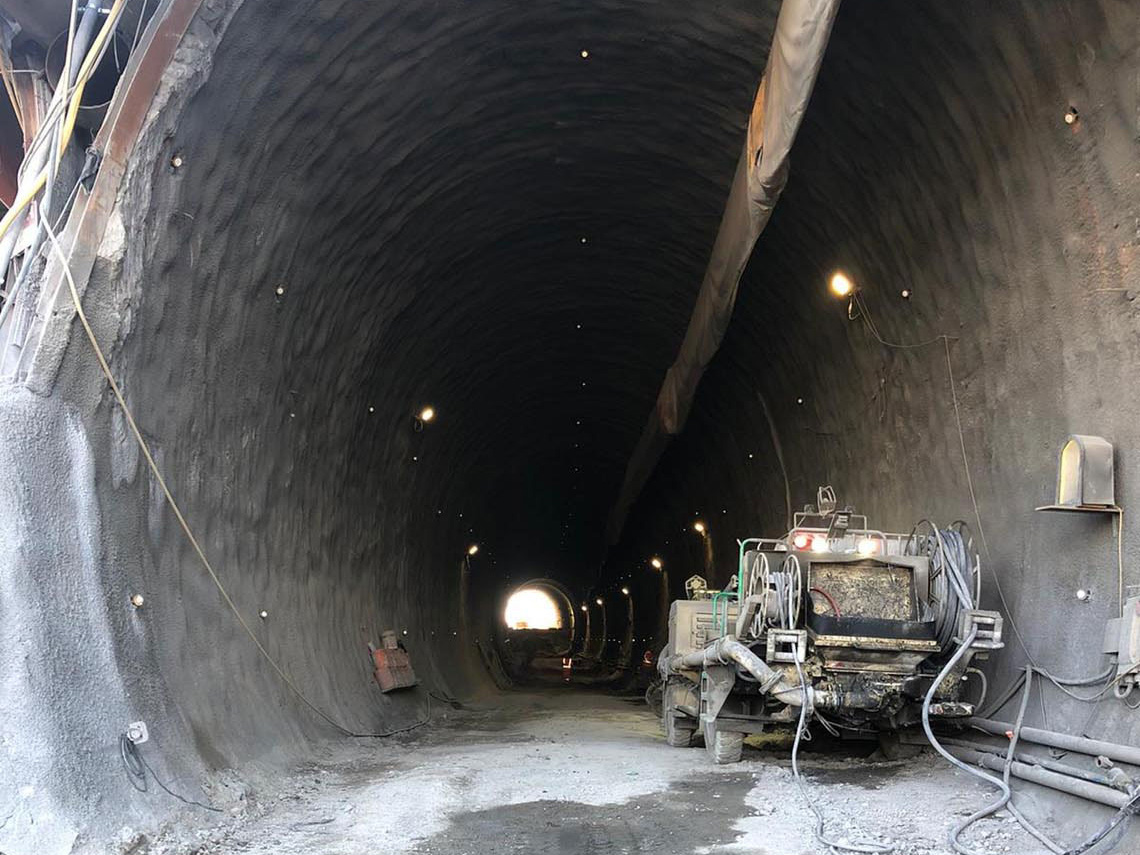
656, 563
699, 527
841, 286
532, 608
473, 549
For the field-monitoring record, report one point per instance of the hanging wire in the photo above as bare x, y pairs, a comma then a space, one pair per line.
177, 511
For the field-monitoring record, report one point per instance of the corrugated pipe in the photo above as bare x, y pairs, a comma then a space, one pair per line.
728, 650
1093, 747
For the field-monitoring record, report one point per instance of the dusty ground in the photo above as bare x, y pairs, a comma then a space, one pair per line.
573, 773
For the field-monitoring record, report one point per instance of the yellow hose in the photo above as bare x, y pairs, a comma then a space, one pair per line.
85, 70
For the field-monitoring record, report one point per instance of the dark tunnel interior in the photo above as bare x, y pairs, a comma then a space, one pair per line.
343, 213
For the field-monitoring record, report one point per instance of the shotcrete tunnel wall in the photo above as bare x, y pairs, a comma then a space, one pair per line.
387, 206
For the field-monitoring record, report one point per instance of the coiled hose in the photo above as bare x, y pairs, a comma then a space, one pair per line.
954, 578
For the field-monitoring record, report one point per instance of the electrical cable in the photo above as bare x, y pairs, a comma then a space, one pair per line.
62, 133
1131, 807
953, 577
970, 770
137, 768
157, 473
801, 734
829, 598
1006, 799
1061, 684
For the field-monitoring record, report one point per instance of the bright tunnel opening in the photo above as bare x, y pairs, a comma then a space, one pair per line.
531, 608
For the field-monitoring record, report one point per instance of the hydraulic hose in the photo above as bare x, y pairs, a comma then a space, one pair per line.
970, 770
728, 650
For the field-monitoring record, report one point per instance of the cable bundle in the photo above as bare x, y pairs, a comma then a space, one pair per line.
955, 583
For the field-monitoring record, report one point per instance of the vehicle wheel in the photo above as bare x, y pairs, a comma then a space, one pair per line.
678, 729
725, 746
675, 734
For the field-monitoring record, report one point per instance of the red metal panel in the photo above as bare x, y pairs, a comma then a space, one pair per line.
393, 669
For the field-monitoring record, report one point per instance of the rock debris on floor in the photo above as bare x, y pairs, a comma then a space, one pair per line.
575, 774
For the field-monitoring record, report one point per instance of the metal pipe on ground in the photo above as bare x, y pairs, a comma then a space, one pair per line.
1036, 774
1093, 747
1045, 763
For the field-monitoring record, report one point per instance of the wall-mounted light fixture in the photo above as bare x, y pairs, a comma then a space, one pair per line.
473, 549
656, 563
625, 590
699, 528
841, 286
599, 601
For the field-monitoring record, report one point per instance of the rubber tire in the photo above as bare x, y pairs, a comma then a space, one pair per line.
725, 746
678, 737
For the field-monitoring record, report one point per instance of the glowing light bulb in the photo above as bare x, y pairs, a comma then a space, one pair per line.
473, 549
427, 414
585, 607
801, 541
625, 590
585, 54
867, 546
819, 543
656, 562
841, 286
598, 601
699, 527
137, 601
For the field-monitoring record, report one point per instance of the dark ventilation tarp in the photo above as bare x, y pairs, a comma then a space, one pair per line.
802, 31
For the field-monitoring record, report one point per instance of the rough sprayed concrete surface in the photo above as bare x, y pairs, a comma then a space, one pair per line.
564, 773
418, 178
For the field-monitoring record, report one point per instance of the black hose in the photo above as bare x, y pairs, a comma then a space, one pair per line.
137, 768
1128, 809
953, 574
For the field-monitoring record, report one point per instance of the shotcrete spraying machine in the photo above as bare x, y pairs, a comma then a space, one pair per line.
835, 623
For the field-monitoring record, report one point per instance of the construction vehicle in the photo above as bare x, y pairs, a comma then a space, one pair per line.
850, 622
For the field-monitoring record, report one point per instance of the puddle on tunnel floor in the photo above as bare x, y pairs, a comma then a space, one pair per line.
685, 817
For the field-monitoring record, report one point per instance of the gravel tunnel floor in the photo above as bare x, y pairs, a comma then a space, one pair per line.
568, 773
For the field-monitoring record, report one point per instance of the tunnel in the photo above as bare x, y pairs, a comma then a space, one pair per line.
390, 291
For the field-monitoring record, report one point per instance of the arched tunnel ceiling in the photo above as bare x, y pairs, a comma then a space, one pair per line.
465, 211
381, 206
